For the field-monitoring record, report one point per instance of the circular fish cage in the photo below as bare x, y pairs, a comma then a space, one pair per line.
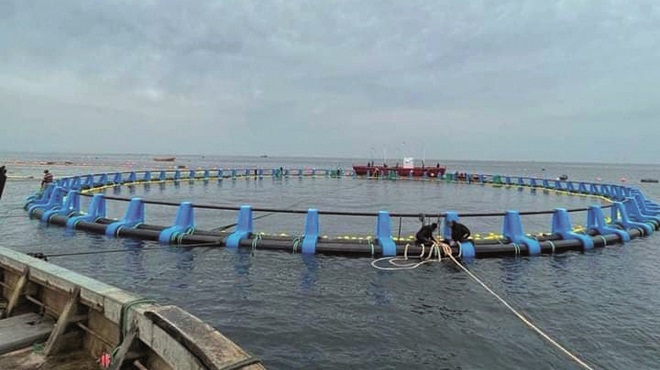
626, 214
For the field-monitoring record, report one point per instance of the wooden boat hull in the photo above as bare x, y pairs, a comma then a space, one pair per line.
82, 321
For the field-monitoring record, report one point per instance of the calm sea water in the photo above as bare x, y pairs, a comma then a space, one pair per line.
326, 312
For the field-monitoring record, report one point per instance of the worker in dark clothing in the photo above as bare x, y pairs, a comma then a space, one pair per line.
425, 235
459, 232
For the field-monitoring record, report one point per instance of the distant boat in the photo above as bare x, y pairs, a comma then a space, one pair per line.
263, 156
649, 180
164, 159
408, 169
563, 177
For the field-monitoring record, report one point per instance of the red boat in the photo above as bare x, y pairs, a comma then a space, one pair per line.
407, 169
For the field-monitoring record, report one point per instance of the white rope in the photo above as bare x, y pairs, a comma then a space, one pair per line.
523, 318
395, 261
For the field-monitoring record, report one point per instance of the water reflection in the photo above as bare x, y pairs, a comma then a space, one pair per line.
97, 261
309, 275
242, 263
380, 289
134, 257
185, 264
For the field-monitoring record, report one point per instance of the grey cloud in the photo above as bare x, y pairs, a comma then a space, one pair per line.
383, 71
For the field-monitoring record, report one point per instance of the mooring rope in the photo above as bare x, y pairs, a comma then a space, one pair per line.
434, 250
521, 317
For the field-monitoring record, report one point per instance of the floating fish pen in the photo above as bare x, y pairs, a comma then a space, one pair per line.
628, 215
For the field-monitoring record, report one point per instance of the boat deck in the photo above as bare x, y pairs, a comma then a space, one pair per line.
29, 358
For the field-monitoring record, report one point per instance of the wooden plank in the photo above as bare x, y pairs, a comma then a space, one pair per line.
70, 309
22, 331
16, 293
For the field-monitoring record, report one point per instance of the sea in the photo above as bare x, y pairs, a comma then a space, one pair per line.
298, 311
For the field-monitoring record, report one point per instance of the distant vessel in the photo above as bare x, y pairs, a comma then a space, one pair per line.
263, 156
164, 159
408, 169
649, 180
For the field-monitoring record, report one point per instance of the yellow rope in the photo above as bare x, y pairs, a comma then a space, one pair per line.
521, 317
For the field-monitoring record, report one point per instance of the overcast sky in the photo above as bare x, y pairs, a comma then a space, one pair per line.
503, 80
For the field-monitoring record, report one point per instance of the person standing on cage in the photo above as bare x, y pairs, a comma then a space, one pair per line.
47, 179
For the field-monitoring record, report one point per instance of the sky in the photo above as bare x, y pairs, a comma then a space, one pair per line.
570, 81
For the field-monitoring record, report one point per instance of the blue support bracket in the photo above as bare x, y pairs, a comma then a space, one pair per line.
221, 174
244, 227
546, 184
558, 185
147, 176
233, 173
620, 216
513, 230
570, 187
75, 183
70, 206
40, 197
162, 176
446, 230
133, 217
184, 223
96, 210
521, 182
593, 189
636, 214
627, 191
88, 181
102, 179
384, 234
596, 222
55, 201
312, 229
582, 188
605, 190
561, 225
646, 207
105, 179
177, 175
117, 179
132, 177
206, 174
467, 250
532, 183
64, 182
192, 174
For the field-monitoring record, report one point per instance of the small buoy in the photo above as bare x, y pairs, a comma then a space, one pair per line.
623, 179
598, 179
